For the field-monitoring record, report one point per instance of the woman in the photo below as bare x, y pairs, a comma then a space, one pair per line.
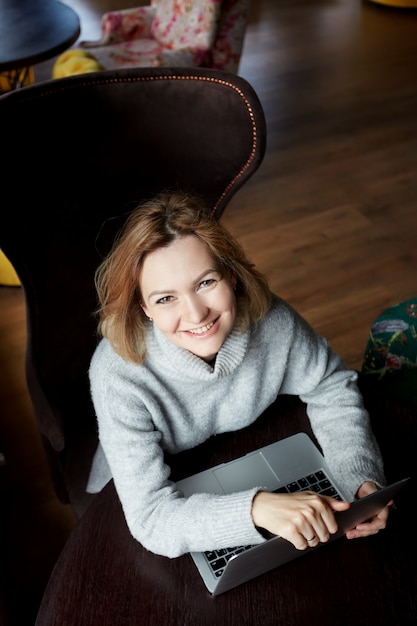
194, 344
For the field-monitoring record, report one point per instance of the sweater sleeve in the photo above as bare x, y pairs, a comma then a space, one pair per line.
334, 405
157, 513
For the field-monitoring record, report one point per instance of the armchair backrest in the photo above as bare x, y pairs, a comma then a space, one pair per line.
82, 151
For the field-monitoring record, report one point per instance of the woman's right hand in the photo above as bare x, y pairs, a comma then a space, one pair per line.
304, 518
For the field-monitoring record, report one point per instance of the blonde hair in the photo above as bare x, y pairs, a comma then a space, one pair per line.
153, 225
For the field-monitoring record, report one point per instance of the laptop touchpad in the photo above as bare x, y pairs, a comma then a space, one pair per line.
250, 471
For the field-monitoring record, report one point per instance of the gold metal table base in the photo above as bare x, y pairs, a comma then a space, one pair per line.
13, 79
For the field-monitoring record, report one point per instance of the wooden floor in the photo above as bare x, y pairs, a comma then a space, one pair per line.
330, 217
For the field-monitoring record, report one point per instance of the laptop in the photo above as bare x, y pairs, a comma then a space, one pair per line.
291, 464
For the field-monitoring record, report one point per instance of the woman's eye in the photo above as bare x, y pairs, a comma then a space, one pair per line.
164, 300
206, 283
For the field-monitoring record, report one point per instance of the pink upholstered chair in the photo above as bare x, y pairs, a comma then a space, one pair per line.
173, 33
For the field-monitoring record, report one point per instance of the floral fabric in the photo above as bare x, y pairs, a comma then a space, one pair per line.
173, 33
127, 25
391, 351
186, 23
227, 49
392, 343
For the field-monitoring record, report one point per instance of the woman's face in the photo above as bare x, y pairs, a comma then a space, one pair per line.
188, 299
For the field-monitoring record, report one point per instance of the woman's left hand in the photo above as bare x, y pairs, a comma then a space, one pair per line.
377, 523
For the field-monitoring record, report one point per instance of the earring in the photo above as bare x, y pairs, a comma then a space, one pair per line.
150, 319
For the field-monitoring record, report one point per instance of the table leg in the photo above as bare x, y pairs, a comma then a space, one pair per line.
13, 79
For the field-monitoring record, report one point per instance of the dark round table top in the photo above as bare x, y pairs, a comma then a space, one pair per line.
32, 31
104, 577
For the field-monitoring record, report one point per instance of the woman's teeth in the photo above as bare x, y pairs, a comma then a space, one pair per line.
203, 329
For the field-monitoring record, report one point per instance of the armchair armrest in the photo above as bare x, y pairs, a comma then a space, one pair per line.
124, 25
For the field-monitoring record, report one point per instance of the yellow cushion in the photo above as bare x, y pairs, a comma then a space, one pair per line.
8, 275
75, 61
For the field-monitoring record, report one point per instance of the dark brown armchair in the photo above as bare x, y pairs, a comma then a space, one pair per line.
82, 152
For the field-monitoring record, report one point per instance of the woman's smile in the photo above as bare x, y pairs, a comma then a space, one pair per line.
203, 330
187, 297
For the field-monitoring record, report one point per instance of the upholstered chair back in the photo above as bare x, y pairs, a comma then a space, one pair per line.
81, 153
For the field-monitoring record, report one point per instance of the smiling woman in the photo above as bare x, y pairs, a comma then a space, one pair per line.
198, 310
171, 253
195, 344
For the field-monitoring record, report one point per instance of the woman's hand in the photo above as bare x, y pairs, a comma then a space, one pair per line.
377, 523
303, 518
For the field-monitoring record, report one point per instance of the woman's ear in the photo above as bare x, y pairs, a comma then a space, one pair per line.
144, 309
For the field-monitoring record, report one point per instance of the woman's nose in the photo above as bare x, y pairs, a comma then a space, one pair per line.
195, 310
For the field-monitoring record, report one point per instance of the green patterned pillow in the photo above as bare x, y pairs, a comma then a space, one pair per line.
391, 350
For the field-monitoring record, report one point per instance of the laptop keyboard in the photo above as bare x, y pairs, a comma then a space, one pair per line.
317, 482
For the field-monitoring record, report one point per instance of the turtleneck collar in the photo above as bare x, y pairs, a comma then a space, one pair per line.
178, 362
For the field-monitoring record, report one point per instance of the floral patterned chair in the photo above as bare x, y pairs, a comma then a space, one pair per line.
173, 33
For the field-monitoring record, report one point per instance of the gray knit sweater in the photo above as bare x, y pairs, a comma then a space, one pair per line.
175, 401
